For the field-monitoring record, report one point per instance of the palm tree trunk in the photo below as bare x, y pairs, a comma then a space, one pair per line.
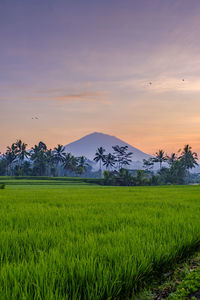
100, 169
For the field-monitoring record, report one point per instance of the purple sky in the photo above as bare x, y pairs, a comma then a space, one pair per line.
84, 66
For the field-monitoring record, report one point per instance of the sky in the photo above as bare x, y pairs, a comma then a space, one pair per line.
129, 68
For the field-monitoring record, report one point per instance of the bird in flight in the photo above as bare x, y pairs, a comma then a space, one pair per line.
183, 79
150, 83
36, 118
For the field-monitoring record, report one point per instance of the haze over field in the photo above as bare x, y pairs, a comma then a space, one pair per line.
127, 68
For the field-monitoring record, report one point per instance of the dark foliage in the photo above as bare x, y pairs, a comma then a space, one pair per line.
2, 186
41, 161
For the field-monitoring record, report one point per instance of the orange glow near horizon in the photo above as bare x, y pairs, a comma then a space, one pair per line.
132, 72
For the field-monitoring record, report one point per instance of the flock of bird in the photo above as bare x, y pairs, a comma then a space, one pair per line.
150, 83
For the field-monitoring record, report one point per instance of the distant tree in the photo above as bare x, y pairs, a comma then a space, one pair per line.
160, 157
59, 157
109, 161
148, 164
23, 169
165, 175
70, 163
188, 157
123, 157
10, 157
82, 165
124, 178
109, 178
100, 157
171, 158
21, 151
26, 167
39, 158
59, 153
50, 162
176, 174
155, 180
3, 166
140, 177
40, 164
34, 151
67, 162
42, 146
12, 149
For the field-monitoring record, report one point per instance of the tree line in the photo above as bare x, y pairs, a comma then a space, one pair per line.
41, 161
175, 171
120, 158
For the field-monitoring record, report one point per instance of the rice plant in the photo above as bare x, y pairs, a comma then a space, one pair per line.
92, 242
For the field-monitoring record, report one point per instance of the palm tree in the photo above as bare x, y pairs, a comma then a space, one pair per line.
39, 158
100, 156
50, 161
42, 146
34, 151
21, 151
74, 163
188, 157
172, 158
70, 162
18, 145
82, 165
10, 157
59, 155
13, 148
17, 152
160, 157
109, 161
40, 163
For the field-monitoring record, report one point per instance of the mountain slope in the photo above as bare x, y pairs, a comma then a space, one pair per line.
88, 145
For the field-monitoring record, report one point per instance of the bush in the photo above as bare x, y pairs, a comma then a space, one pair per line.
188, 287
2, 186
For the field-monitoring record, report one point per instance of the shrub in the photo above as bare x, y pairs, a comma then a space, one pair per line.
2, 186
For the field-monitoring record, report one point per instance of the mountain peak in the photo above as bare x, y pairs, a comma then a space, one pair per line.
95, 133
88, 145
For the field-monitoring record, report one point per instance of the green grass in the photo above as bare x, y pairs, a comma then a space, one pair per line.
44, 180
92, 242
187, 287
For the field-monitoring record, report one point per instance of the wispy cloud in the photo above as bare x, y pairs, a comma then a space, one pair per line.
84, 96
56, 95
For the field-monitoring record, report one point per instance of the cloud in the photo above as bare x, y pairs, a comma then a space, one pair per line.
89, 96
60, 94
84, 96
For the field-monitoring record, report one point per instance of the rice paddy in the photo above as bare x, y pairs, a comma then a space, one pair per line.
64, 241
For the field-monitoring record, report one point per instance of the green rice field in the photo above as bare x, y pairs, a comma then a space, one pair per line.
80, 241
